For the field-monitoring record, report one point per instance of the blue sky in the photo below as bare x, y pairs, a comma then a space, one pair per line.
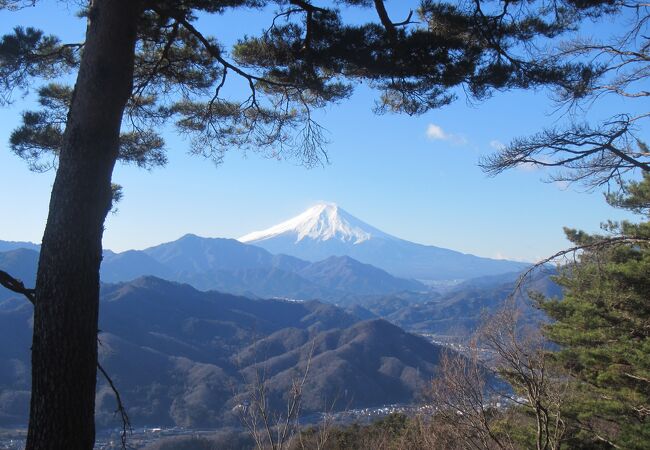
414, 177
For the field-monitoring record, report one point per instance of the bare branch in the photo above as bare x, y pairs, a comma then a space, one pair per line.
405, 22
121, 410
307, 6
591, 156
268, 428
17, 286
385, 19
596, 245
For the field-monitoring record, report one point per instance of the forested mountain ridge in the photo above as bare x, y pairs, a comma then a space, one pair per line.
185, 357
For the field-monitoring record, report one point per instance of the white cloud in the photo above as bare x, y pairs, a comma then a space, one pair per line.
436, 133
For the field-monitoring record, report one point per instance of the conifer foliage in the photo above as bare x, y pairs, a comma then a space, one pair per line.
603, 328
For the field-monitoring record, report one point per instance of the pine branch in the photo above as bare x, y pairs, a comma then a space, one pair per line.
385, 20
17, 286
215, 52
307, 6
596, 245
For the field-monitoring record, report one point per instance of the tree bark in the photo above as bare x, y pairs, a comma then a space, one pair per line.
64, 349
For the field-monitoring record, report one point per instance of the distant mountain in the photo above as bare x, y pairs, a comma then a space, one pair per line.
229, 266
20, 263
6, 246
184, 357
267, 282
459, 312
324, 222
130, 265
383, 305
326, 230
192, 254
345, 274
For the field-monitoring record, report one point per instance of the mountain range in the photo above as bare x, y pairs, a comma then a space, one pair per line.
185, 354
324, 253
6, 246
456, 314
229, 266
365, 291
326, 230
184, 357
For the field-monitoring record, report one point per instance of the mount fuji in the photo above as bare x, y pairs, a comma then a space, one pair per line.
326, 230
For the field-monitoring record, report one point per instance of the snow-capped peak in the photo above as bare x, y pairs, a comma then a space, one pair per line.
321, 222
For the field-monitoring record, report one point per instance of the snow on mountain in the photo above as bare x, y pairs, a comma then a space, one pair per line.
326, 230
321, 222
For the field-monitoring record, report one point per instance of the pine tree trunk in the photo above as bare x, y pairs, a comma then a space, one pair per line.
64, 349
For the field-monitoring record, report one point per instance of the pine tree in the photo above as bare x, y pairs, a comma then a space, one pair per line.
591, 152
603, 328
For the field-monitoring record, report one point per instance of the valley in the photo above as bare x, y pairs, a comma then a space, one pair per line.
190, 328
